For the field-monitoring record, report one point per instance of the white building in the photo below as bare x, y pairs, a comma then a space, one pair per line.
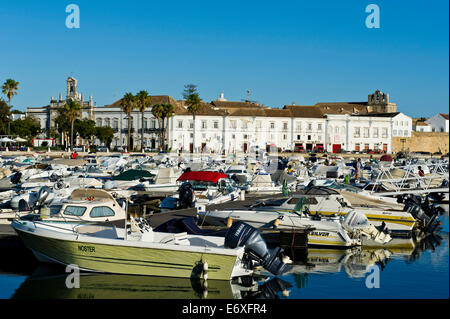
225, 126
419, 125
439, 123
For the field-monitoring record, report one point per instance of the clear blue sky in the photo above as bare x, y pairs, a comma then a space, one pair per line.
283, 51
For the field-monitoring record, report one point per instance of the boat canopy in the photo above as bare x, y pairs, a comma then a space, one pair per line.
95, 194
132, 174
166, 175
202, 176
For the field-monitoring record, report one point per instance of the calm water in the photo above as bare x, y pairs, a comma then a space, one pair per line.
410, 270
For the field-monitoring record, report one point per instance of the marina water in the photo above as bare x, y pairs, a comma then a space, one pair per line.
419, 272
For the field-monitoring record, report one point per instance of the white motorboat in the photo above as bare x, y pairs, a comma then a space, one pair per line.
331, 231
141, 251
325, 201
262, 184
201, 188
165, 181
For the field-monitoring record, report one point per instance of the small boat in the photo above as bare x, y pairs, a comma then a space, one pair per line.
330, 231
84, 205
262, 185
202, 188
165, 181
141, 251
239, 173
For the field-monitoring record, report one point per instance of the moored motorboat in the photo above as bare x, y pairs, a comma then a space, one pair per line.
142, 251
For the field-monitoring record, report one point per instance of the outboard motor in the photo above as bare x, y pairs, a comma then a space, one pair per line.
16, 178
186, 196
23, 205
425, 213
42, 196
241, 234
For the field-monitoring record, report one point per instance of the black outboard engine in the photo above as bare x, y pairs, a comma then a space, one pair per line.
241, 234
16, 178
423, 211
186, 196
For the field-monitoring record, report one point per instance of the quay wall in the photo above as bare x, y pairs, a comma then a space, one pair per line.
422, 142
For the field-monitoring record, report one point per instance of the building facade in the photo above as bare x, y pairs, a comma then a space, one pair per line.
223, 126
439, 123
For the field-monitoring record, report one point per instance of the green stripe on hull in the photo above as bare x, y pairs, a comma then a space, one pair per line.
131, 260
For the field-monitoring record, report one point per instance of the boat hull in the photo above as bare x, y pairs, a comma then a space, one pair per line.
124, 259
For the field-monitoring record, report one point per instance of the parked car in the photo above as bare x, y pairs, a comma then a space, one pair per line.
299, 149
119, 149
102, 149
78, 149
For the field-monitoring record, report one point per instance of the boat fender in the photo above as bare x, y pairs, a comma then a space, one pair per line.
229, 222
205, 270
276, 222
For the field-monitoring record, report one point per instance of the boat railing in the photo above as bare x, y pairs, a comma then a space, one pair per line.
402, 183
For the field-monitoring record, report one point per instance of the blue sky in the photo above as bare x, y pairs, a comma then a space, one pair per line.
282, 51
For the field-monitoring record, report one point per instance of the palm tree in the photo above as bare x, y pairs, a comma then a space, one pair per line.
193, 102
10, 88
167, 112
157, 112
73, 111
143, 100
127, 105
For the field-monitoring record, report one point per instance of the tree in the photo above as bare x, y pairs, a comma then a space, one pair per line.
10, 88
63, 123
158, 112
127, 105
84, 128
73, 111
193, 103
28, 127
4, 116
189, 89
167, 112
105, 134
143, 100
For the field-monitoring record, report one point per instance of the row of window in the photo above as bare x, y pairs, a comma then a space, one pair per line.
115, 123
402, 123
366, 132
95, 212
400, 133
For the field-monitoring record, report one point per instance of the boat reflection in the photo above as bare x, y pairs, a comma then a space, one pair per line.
50, 283
356, 262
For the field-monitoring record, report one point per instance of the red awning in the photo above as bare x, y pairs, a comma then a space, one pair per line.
203, 176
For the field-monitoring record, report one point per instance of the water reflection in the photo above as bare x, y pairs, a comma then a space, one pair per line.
308, 267
50, 283
355, 262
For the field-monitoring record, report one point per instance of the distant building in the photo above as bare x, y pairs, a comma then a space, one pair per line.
419, 125
439, 123
47, 114
17, 116
232, 126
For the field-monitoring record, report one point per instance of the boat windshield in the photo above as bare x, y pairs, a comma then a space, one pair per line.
202, 185
345, 187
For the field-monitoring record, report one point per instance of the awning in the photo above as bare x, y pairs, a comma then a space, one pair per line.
203, 176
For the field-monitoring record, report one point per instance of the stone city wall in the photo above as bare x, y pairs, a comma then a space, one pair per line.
422, 142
